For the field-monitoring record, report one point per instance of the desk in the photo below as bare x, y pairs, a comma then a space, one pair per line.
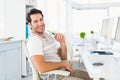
110, 70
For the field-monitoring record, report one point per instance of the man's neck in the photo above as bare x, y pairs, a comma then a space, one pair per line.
41, 35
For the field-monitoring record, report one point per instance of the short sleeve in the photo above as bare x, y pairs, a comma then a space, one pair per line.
34, 46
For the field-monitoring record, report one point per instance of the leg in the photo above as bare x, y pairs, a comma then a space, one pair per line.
81, 74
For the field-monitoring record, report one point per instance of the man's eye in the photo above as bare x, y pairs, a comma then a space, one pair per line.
35, 21
41, 19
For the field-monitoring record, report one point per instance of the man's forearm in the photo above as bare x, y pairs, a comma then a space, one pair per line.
63, 51
48, 66
43, 66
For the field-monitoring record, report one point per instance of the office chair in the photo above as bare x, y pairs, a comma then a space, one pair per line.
35, 72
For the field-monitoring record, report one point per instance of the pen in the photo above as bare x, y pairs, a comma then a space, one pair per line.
53, 33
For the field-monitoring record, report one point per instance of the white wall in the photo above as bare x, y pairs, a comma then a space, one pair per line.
1, 17
13, 18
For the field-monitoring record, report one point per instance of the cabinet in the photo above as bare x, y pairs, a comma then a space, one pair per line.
2, 65
10, 60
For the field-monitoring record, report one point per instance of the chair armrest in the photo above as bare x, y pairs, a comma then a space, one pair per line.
73, 60
58, 72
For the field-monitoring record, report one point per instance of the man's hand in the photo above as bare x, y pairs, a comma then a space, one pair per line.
69, 68
59, 37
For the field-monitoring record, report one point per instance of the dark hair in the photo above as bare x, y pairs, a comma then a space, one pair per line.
32, 11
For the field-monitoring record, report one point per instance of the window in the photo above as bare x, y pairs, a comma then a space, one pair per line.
95, 1
87, 20
56, 15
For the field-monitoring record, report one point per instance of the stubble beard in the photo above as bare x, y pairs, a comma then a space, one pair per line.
41, 32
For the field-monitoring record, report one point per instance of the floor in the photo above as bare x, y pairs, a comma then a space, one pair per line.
27, 77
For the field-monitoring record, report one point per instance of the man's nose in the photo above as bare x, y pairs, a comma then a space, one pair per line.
39, 23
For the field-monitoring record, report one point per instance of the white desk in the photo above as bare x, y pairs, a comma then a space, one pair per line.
110, 69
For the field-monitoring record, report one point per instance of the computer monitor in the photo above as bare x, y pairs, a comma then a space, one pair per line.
106, 30
117, 34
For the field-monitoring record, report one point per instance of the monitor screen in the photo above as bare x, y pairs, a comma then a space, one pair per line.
117, 34
107, 25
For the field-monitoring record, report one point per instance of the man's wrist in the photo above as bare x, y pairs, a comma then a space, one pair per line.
62, 43
65, 63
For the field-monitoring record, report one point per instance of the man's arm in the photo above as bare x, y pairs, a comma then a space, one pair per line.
62, 51
42, 66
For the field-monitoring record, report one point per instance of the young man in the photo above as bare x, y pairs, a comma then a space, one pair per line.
44, 51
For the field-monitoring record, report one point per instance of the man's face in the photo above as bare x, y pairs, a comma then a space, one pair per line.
37, 23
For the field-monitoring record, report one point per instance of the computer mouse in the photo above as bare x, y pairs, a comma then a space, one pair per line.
98, 64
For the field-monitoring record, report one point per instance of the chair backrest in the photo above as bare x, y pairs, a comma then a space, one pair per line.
34, 71
71, 55
69, 46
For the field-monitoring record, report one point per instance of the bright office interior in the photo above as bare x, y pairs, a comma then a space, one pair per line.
65, 16
72, 16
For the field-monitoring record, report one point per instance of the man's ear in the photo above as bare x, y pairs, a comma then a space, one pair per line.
30, 25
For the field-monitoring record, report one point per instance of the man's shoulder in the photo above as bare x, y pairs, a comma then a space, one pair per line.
33, 37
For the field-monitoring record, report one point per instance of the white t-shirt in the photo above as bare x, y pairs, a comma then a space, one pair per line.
46, 47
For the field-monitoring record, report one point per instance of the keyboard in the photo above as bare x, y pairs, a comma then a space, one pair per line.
102, 52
